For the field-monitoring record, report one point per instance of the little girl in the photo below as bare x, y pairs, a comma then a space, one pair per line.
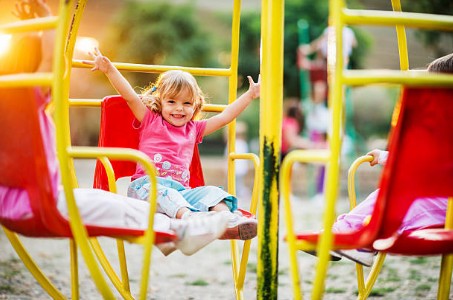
168, 131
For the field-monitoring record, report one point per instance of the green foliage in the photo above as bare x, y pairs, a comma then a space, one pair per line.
430, 38
160, 33
373, 107
315, 13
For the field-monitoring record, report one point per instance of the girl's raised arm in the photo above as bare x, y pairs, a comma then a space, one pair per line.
234, 109
121, 85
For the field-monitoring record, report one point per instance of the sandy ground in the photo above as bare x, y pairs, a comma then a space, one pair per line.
207, 274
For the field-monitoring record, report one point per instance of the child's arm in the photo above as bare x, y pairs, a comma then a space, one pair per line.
121, 85
234, 109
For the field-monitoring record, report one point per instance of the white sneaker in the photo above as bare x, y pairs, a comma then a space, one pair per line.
365, 258
240, 227
200, 230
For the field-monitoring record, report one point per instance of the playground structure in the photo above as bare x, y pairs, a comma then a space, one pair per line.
265, 192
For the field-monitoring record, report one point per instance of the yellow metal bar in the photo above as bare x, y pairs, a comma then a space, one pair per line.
161, 68
26, 79
285, 190
238, 267
372, 276
335, 68
392, 18
443, 290
240, 271
119, 285
124, 287
352, 203
407, 78
60, 92
36, 24
351, 178
143, 159
294, 156
74, 258
272, 17
97, 103
402, 40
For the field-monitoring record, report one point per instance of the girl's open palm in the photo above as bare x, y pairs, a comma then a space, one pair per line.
100, 62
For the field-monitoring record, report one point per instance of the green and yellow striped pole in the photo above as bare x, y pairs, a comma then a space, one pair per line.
270, 139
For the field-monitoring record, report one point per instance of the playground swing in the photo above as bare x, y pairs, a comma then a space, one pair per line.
115, 131
419, 107
375, 233
418, 138
108, 171
24, 162
46, 221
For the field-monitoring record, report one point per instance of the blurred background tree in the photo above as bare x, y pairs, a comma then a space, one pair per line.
160, 34
432, 39
315, 13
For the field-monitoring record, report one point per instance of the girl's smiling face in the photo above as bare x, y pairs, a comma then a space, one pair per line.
178, 110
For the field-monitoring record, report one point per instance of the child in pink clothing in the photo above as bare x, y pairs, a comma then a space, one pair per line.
166, 117
423, 213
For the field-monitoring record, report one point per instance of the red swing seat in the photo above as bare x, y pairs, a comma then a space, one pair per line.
419, 165
116, 131
23, 165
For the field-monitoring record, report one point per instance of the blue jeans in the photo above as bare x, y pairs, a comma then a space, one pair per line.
172, 195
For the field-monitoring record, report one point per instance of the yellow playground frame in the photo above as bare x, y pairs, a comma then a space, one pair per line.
269, 177
338, 78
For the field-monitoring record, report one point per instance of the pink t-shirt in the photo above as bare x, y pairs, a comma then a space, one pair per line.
14, 202
169, 147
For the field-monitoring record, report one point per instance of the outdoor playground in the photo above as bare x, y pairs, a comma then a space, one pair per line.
122, 263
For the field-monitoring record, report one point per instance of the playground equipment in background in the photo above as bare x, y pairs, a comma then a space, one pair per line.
338, 79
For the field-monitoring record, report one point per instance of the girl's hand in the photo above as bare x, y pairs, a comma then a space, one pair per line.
375, 153
254, 88
100, 62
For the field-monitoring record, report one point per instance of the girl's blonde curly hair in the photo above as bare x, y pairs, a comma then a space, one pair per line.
168, 85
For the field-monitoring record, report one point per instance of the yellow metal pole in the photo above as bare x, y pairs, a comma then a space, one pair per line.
401, 37
335, 70
270, 139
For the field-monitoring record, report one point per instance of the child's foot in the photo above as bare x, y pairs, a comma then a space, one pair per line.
200, 230
240, 227
361, 256
166, 248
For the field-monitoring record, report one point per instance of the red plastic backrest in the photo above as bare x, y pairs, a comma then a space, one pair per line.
420, 162
116, 131
23, 162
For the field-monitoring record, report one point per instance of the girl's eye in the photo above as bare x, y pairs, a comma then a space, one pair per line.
188, 103
170, 101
